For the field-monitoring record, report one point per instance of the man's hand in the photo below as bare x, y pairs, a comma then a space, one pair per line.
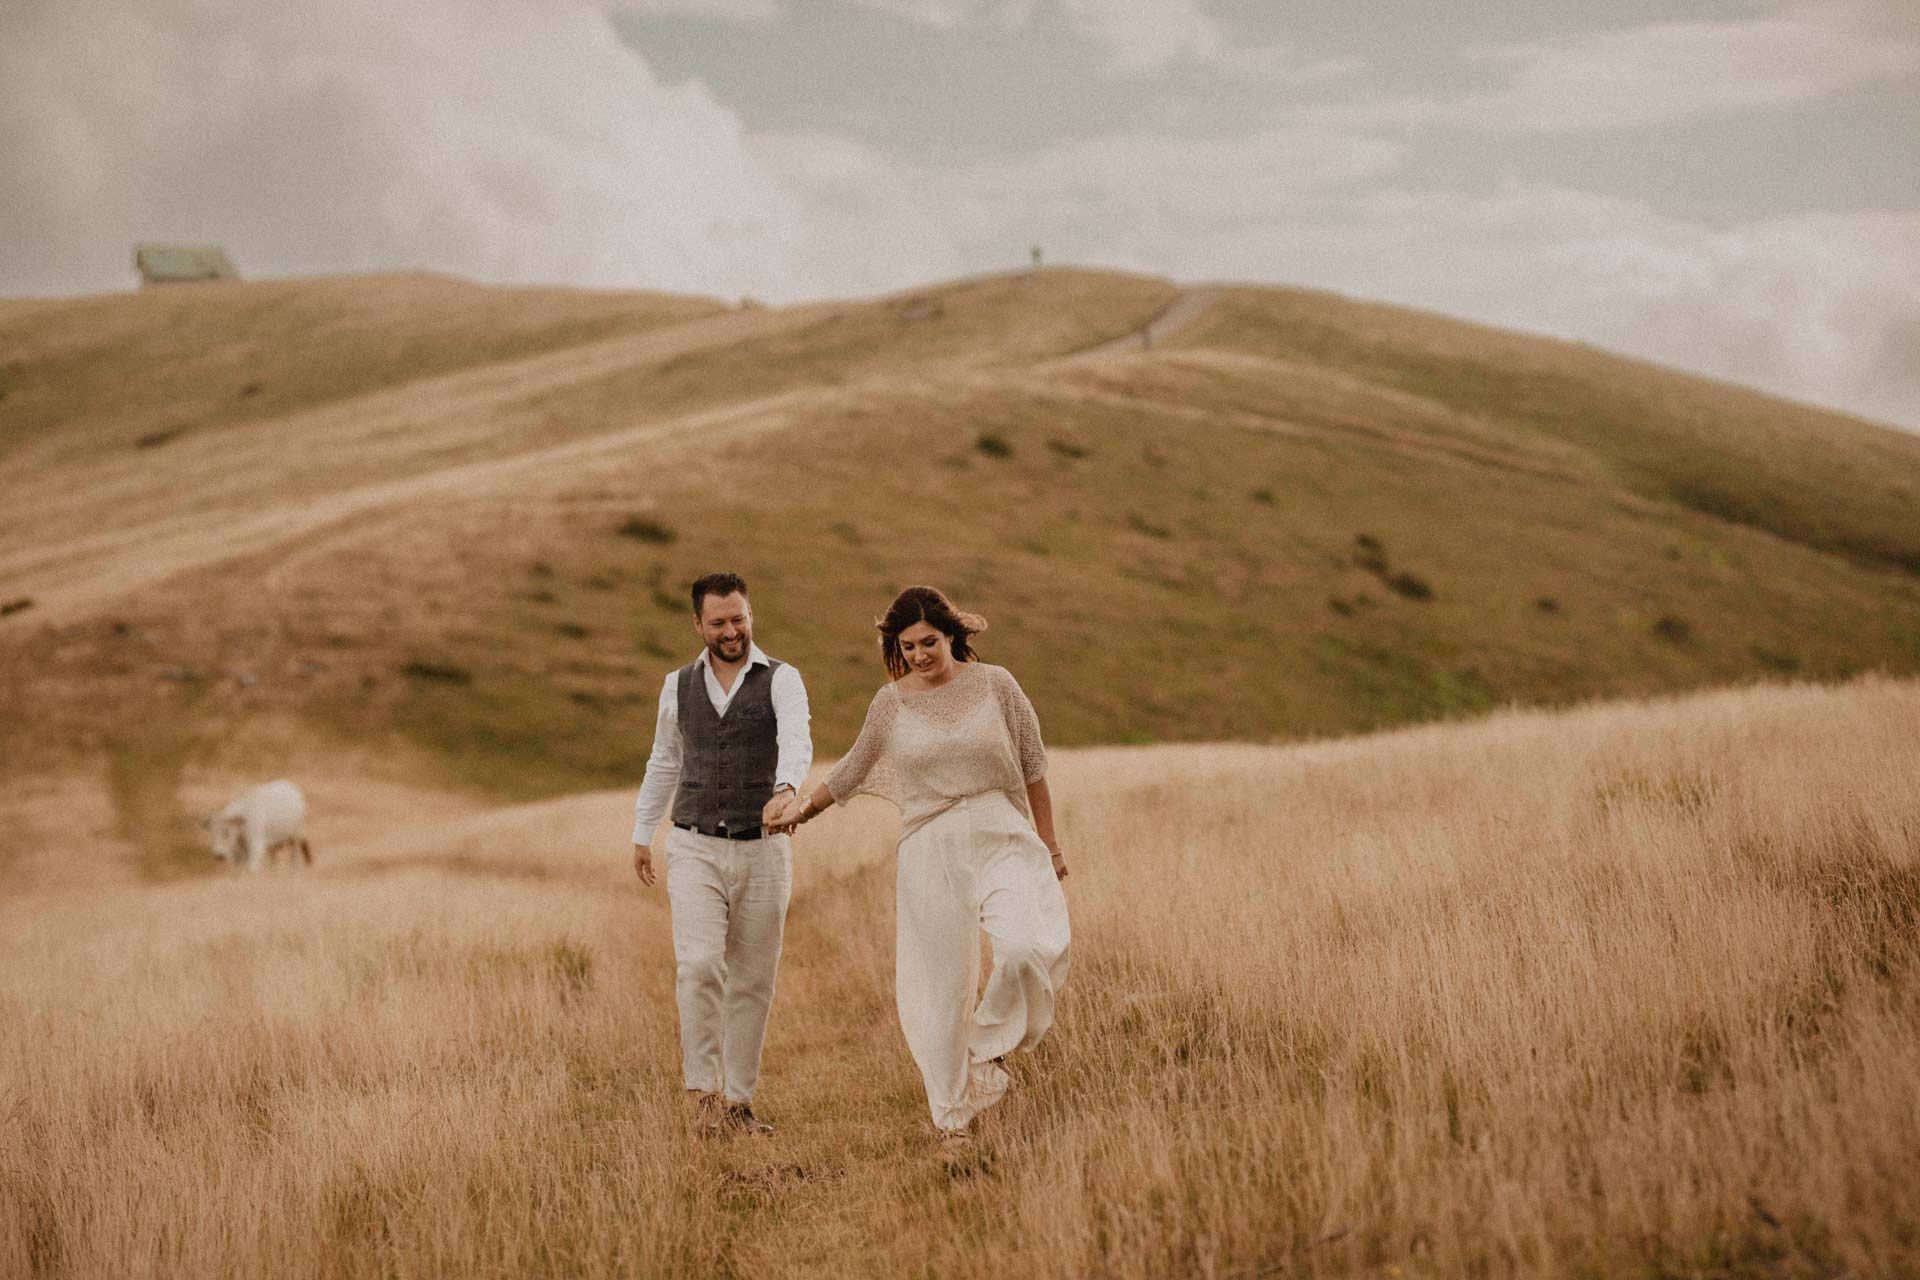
776, 805
643, 863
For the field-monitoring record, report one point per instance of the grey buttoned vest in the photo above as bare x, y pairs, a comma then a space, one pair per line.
726, 762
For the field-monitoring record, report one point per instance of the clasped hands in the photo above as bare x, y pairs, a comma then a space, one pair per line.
785, 811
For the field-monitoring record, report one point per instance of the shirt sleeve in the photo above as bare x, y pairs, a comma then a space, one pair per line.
792, 730
864, 768
1023, 726
663, 766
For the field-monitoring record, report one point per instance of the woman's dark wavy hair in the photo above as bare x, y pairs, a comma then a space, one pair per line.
931, 606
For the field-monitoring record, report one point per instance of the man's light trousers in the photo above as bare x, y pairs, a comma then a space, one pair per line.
729, 902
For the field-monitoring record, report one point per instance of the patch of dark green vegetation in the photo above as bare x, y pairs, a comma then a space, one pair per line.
647, 529
437, 671
16, 605
1368, 553
1140, 524
1410, 585
1672, 628
1067, 448
994, 446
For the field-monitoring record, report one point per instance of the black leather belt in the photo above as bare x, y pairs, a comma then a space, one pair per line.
723, 833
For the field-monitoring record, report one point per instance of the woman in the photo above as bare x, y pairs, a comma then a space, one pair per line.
955, 744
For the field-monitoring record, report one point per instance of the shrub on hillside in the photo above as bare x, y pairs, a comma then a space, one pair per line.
647, 529
994, 446
1411, 585
439, 672
1368, 553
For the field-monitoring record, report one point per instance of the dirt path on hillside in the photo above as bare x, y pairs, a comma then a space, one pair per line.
70, 580
1188, 306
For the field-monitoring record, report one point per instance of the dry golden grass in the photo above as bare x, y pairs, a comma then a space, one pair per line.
1619, 991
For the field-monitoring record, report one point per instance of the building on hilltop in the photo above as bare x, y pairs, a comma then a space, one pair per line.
173, 263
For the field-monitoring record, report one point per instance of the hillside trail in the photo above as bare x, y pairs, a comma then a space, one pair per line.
72, 573
1188, 306
72, 579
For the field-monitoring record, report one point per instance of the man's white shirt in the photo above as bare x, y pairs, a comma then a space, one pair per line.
790, 718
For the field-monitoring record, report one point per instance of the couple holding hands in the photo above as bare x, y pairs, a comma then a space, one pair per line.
955, 745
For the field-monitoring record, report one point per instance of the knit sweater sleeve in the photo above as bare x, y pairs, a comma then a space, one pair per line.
867, 768
1023, 725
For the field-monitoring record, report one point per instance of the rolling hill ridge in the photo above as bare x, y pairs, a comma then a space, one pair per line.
413, 516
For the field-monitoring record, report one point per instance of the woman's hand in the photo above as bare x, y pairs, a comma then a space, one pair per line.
1059, 860
793, 812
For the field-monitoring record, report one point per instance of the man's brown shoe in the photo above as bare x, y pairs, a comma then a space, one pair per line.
740, 1116
709, 1112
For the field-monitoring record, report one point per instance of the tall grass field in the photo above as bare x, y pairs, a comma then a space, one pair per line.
1622, 990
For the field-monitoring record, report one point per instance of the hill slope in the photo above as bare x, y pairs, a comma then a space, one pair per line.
459, 520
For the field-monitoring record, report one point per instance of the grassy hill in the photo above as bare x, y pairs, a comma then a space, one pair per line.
408, 516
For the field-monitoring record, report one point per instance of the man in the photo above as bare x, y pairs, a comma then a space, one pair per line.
730, 744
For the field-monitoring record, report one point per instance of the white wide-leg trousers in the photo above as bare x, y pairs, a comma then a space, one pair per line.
977, 865
729, 903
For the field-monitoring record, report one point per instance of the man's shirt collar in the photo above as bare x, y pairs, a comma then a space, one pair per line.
755, 658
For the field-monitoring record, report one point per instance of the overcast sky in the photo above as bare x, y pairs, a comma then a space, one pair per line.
1727, 186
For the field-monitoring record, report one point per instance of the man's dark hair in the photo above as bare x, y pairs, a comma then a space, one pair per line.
716, 584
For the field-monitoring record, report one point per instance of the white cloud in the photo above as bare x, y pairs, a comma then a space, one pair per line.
517, 140
1145, 34
878, 222
1661, 73
1819, 307
1137, 35
744, 12
955, 13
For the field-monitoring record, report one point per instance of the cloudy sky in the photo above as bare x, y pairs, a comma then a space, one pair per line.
1727, 186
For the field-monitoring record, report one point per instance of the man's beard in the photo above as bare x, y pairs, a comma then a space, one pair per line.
717, 648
